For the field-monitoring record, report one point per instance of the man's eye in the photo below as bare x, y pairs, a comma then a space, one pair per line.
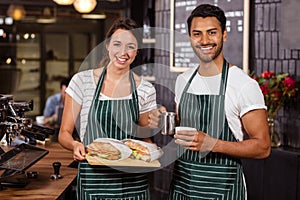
212, 32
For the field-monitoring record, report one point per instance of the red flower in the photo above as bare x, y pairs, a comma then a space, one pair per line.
276, 95
277, 89
264, 88
267, 74
289, 83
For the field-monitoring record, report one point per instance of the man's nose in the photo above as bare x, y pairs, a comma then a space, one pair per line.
204, 39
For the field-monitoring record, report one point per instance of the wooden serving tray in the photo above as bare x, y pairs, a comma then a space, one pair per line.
128, 162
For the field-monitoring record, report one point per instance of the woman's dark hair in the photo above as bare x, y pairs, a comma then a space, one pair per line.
125, 24
207, 10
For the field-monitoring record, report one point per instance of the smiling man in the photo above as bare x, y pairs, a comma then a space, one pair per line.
224, 104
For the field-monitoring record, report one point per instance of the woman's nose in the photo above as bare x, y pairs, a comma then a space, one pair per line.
123, 50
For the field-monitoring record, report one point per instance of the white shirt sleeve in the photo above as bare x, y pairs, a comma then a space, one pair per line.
147, 96
251, 99
74, 89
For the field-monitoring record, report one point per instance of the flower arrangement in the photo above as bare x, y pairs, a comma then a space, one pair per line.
277, 89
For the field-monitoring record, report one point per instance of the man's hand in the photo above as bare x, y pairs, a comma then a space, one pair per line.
195, 140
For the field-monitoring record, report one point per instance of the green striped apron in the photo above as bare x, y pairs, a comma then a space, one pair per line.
113, 119
203, 175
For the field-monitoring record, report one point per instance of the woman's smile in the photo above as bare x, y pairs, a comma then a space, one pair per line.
121, 60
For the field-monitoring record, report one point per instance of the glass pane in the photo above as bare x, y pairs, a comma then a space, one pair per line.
28, 46
80, 46
57, 46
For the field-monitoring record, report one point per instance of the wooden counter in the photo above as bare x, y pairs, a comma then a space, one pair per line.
43, 187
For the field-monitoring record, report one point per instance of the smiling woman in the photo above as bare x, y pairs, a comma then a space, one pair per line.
112, 102
122, 48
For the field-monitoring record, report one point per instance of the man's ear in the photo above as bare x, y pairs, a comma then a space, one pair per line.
225, 36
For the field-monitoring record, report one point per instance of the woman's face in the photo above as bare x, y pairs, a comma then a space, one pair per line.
122, 48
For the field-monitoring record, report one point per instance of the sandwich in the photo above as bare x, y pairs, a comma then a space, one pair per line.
143, 150
103, 150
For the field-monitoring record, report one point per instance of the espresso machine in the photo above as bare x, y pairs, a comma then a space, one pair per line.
20, 134
15, 125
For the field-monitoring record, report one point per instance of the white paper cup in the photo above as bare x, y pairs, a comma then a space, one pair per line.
183, 128
40, 119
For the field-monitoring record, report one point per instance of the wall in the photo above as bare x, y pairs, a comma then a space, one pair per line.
266, 53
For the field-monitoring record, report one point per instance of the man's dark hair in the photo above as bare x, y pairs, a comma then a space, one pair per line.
207, 10
65, 82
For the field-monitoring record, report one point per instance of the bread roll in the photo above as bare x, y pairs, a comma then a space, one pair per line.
104, 150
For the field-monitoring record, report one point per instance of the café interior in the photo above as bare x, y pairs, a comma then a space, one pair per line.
43, 42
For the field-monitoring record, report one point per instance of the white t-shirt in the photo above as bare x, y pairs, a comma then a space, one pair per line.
82, 88
242, 94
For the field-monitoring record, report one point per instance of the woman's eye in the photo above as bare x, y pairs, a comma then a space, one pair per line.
116, 44
131, 47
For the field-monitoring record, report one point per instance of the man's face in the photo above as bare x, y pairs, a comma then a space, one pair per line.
207, 38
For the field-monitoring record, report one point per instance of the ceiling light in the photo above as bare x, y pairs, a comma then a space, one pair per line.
93, 16
84, 6
8, 20
8, 61
64, 2
46, 20
17, 12
47, 16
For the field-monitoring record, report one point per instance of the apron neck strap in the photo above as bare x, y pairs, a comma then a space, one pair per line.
101, 79
224, 77
223, 81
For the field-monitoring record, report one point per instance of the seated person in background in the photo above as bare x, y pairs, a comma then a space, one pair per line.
55, 103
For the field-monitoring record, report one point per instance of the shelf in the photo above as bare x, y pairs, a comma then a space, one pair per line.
149, 40
149, 78
28, 50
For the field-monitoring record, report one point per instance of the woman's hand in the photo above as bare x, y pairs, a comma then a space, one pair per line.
78, 151
154, 116
195, 140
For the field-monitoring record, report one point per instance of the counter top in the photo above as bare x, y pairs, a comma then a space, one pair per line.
43, 187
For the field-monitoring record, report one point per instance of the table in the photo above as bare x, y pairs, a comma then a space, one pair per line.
43, 187
276, 177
